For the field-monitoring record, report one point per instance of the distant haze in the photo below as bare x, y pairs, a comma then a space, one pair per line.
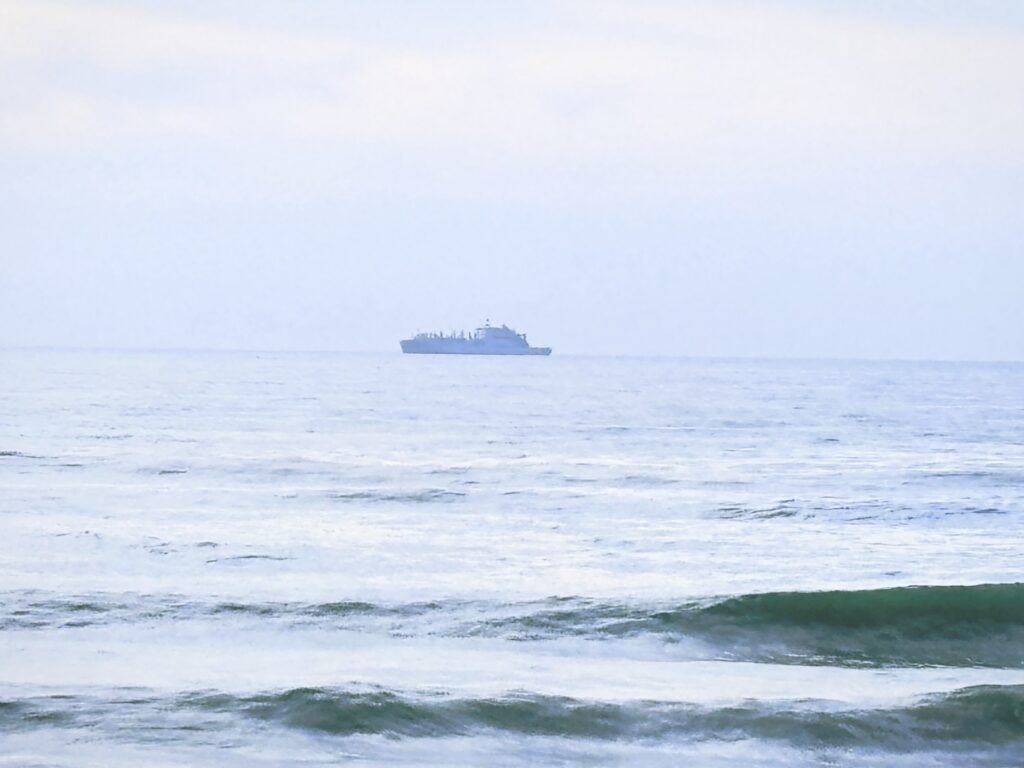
834, 179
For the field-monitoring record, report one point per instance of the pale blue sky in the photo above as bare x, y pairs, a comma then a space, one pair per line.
705, 178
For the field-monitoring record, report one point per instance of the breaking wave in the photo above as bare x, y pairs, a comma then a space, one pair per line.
956, 626
981, 625
978, 715
981, 716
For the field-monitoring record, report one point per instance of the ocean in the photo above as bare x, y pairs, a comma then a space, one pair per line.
269, 559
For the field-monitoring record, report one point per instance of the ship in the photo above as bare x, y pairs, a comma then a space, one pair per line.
485, 340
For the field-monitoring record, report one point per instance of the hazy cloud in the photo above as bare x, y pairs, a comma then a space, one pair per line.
642, 165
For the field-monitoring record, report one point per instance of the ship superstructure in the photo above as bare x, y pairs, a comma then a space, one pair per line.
485, 340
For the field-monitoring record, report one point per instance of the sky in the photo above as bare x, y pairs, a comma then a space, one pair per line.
781, 178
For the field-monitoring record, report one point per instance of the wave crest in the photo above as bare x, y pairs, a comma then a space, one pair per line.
991, 715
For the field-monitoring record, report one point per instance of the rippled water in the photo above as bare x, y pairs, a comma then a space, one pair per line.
271, 559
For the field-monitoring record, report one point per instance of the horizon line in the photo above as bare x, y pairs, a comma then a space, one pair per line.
556, 354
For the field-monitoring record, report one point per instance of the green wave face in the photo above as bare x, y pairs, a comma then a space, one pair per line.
981, 715
913, 611
970, 718
979, 625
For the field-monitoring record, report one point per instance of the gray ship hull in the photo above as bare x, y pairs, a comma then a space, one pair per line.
466, 347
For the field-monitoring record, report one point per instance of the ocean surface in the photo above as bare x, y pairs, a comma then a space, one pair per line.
242, 559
